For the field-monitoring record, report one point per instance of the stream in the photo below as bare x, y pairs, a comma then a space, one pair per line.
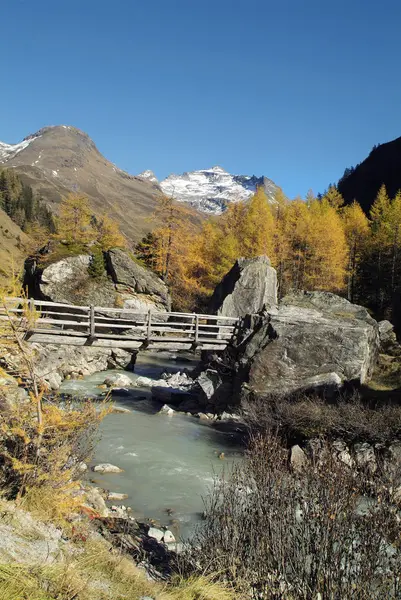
169, 462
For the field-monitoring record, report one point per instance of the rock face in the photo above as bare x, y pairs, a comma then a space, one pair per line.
54, 363
125, 283
314, 340
249, 288
139, 287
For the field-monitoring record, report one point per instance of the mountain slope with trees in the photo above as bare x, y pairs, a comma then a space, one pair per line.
381, 167
58, 160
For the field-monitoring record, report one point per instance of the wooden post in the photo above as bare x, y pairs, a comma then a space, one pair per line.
91, 321
196, 329
149, 329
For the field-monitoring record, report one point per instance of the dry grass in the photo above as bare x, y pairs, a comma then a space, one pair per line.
99, 573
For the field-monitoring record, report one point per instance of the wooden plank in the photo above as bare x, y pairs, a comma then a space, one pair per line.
92, 322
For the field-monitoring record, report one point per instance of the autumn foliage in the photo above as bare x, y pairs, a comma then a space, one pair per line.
315, 244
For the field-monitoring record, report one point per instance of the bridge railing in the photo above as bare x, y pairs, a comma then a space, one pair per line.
95, 322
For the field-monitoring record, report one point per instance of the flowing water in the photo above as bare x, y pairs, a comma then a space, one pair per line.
169, 462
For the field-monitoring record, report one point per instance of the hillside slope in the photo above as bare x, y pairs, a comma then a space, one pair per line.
13, 243
383, 165
62, 159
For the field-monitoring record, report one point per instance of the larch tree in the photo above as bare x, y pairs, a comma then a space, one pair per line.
356, 229
74, 223
109, 234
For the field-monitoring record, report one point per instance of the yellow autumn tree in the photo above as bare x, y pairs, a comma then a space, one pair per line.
74, 222
356, 229
325, 267
109, 234
257, 227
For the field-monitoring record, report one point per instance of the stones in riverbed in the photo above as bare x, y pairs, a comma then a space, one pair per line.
156, 533
120, 409
116, 496
168, 537
118, 380
144, 381
167, 410
107, 468
161, 536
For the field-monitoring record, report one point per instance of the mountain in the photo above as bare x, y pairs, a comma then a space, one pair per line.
211, 190
62, 159
383, 165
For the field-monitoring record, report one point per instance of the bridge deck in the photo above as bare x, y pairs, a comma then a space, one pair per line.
56, 323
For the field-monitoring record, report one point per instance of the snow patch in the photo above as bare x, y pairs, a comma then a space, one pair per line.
8, 151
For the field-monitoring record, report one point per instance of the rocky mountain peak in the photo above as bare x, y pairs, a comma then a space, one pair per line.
148, 175
212, 190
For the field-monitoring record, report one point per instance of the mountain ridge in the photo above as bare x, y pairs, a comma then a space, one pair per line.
381, 166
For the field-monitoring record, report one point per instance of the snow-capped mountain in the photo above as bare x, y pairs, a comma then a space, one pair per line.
211, 190
148, 175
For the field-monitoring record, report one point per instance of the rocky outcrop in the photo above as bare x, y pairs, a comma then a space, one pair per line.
248, 288
54, 363
124, 283
311, 342
139, 288
315, 340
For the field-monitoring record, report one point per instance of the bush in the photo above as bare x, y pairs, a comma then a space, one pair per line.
277, 534
35, 457
305, 417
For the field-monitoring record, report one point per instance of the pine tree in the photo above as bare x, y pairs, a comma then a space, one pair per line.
96, 267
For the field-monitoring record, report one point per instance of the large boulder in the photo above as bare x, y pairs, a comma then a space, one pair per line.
54, 363
138, 285
248, 288
124, 282
314, 340
68, 281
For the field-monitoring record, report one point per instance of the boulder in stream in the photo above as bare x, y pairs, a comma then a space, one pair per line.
107, 468
248, 288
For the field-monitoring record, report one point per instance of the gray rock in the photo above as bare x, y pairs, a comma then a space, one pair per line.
106, 468
95, 500
118, 380
314, 341
208, 383
125, 271
298, 459
248, 288
365, 457
116, 496
168, 537
54, 363
68, 281
155, 533
387, 336
342, 453
167, 410
144, 381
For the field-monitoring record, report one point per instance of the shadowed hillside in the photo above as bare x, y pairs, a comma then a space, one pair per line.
383, 165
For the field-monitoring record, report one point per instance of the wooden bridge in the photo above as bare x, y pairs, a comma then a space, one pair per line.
54, 323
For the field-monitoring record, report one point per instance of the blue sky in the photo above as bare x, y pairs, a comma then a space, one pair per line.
295, 90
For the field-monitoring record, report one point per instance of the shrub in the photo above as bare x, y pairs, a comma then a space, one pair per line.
277, 534
305, 417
